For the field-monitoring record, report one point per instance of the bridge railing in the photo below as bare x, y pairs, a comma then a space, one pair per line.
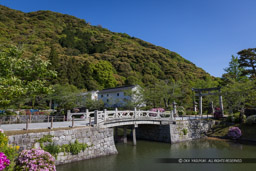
99, 117
106, 115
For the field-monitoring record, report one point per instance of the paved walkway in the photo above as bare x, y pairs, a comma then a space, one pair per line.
45, 125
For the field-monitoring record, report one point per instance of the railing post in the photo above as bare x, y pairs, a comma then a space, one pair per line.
87, 113
73, 122
105, 114
51, 123
69, 118
171, 115
158, 113
48, 119
116, 112
135, 113
90, 121
27, 124
96, 118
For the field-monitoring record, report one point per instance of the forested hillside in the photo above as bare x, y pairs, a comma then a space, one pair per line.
89, 56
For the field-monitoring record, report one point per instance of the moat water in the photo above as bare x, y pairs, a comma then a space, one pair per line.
144, 157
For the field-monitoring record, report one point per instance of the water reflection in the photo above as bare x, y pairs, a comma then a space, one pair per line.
143, 157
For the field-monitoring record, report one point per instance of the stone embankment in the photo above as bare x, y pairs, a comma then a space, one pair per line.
173, 133
100, 142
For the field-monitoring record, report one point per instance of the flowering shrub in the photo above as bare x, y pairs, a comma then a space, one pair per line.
10, 152
156, 109
3, 161
234, 132
35, 159
217, 113
1, 131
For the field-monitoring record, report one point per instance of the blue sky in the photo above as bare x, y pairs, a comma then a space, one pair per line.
206, 32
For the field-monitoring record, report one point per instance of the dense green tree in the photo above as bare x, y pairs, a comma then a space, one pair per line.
103, 73
238, 95
233, 71
247, 60
90, 104
69, 42
22, 77
65, 96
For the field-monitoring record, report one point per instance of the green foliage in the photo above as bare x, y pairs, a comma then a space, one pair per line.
22, 77
185, 131
77, 147
181, 110
238, 95
44, 139
103, 73
76, 49
54, 149
251, 120
247, 60
233, 118
234, 71
66, 96
90, 104
10, 151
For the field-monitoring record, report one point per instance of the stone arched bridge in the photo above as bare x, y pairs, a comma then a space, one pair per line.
117, 118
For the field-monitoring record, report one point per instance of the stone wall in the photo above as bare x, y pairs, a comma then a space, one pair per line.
159, 133
178, 132
100, 142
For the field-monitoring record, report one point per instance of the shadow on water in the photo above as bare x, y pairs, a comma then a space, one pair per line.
143, 157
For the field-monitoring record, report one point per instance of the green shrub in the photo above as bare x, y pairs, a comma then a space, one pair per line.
185, 131
53, 149
251, 120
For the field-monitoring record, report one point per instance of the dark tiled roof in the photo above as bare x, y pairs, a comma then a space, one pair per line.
109, 90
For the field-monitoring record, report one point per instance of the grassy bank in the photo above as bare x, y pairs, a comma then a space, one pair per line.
221, 131
17, 132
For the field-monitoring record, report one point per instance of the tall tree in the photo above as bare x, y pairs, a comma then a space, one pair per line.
22, 77
234, 70
247, 60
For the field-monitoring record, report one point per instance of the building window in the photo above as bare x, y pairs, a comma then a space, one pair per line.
107, 100
102, 95
107, 95
117, 94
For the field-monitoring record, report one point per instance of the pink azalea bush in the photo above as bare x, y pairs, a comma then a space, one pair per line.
217, 113
234, 132
1, 131
156, 109
35, 159
3, 161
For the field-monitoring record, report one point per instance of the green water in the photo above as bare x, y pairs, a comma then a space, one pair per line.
143, 157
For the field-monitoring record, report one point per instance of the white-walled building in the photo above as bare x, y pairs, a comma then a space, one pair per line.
121, 96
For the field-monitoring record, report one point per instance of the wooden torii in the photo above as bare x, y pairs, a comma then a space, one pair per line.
200, 94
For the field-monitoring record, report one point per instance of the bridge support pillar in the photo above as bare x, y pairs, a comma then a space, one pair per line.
116, 134
134, 135
125, 135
